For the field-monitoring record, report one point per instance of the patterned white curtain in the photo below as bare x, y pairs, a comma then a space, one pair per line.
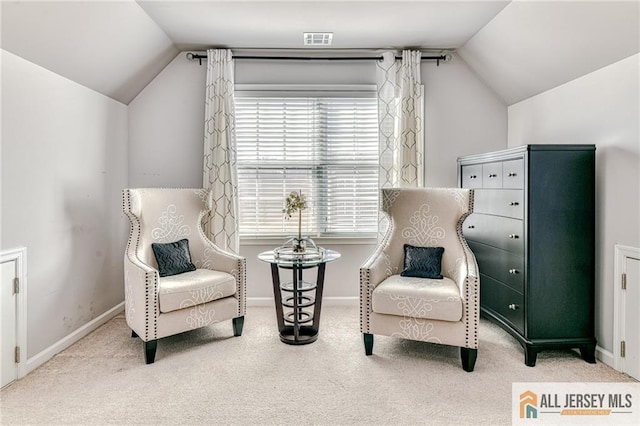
386, 75
220, 173
401, 119
411, 120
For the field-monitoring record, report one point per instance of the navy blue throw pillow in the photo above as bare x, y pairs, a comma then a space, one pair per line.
173, 258
422, 262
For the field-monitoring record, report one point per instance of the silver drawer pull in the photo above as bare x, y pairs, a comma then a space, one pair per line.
512, 174
513, 236
492, 175
513, 306
514, 203
471, 226
513, 271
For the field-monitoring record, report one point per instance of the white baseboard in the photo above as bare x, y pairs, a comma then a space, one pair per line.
62, 344
605, 356
326, 301
341, 301
259, 301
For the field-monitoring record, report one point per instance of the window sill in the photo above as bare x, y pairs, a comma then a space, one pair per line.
321, 241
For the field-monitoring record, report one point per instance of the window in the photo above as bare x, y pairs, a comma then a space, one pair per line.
322, 143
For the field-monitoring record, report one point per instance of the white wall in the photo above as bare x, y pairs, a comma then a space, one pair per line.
462, 117
601, 108
166, 136
64, 163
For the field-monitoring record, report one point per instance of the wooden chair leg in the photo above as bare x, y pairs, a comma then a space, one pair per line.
468, 357
238, 323
150, 351
368, 343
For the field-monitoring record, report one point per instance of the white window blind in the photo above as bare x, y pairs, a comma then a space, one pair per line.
325, 146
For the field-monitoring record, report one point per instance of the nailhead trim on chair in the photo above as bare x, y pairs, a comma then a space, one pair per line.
151, 310
151, 305
146, 309
365, 276
471, 315
242, 285
365, 294
475, 304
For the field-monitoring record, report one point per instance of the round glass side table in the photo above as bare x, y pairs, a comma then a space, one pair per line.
298, 302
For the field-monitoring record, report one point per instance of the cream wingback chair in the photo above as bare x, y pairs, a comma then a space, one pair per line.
445, 310
212, 291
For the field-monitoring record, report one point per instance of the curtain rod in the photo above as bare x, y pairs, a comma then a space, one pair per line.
446, 58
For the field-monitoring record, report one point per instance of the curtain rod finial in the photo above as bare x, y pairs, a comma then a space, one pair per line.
190, 56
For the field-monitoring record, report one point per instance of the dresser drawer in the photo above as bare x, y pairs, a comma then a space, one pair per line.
472, 176
496, 231
513, 174
502, 265
492, 175
503, 301
501, 202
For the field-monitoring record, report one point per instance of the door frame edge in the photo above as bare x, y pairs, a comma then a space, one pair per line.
19, 255
621, 252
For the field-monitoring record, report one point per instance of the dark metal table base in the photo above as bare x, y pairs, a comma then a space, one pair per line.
306, 335
294, 326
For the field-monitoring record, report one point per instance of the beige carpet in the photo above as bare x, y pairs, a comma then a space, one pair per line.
209, 377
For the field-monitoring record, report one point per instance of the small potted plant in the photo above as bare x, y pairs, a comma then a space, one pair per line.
296, 202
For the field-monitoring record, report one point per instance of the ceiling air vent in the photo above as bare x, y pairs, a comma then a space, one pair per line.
317, 39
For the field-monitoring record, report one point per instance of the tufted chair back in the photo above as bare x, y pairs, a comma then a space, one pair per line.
427, 217
165, 215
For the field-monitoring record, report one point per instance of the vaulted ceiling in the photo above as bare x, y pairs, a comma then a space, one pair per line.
519, 48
